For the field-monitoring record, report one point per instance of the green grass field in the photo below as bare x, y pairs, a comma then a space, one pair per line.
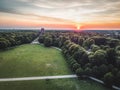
35, 60
32, 60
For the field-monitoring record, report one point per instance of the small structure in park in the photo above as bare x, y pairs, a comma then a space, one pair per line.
42, 30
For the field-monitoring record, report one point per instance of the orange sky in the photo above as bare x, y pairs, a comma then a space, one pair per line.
33, 21
102, 26
49, 22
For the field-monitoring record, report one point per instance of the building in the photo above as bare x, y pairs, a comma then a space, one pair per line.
42, 31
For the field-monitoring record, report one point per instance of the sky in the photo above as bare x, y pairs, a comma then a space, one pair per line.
79, 14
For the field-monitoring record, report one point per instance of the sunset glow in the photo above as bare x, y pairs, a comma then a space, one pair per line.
78, 26
84, 14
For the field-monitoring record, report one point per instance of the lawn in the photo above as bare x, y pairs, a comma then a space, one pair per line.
32, 60
35, 60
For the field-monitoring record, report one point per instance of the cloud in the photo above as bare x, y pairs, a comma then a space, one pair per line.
75, 10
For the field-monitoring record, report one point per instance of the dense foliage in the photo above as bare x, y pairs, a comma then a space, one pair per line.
9, 39
88, 54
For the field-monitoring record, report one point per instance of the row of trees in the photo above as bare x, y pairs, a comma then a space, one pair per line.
9, 39
88, 54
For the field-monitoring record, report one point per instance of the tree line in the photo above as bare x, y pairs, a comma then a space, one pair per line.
88, 54
9, 39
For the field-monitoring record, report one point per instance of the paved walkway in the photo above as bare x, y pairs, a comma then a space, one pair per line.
57, 48
37, 78
35, 41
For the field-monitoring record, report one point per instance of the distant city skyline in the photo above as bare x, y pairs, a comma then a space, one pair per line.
74, 14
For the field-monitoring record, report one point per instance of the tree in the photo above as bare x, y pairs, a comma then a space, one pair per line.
108, 79
118, 48
72, 62
62, 39
104, 47
67, 42
75, 66
4, 43
88, 71
88, 65
88, 42
110, 67
12, 41
114, 71
94, 47
118, 78
118, 63
80, 72
84, 59
78, 55
100, 57
80, 41
56, 42
113, 43
95, 71
48, 41
111, 56
41, 39
103, 69
100, 40
91, 58
73, 48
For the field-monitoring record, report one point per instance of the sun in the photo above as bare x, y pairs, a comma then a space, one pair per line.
78, 26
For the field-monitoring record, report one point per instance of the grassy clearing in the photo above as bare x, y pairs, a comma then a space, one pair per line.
36, 60
32, 60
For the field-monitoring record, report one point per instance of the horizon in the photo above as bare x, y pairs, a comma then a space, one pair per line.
78, 15
52, 29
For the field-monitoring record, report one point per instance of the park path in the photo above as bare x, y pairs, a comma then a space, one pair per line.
37, 78
35, 41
